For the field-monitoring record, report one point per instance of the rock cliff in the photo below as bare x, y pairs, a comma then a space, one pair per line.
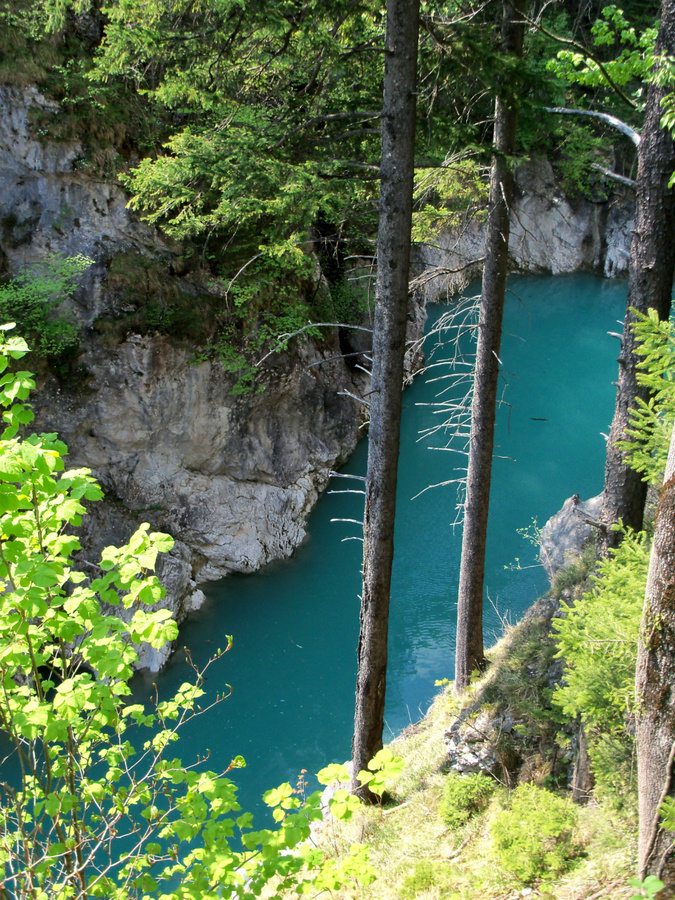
232, 478
549, 234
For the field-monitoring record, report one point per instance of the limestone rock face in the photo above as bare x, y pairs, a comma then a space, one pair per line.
231, 477
618, 235
566, 533
549, 234
48, 205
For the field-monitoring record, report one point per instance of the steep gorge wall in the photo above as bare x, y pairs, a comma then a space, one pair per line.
232, 478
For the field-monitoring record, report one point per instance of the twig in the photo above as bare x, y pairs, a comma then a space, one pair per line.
388, 812
344, 475
614, 176
353, 396
604, 890
456, 852
284, 338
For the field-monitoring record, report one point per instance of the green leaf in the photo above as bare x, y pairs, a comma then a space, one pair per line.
333, 772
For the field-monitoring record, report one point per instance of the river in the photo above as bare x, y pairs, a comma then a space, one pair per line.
295, 624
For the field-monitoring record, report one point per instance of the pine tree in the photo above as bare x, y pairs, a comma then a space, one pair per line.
389, 344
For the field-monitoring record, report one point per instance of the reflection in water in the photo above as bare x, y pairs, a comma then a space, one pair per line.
295, 625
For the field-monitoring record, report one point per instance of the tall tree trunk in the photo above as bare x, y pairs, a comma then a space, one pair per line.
650, 285
655, 699
469, 655
389, 341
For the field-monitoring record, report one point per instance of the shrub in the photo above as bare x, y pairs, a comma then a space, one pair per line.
463, 797
33, 302
422, 877
85, 813
597, 637
534, 837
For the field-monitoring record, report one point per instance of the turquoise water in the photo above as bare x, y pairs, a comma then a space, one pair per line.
293, 664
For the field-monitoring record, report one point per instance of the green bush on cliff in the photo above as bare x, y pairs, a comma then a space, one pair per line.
464, 796
33, 300
597, 637
534, 836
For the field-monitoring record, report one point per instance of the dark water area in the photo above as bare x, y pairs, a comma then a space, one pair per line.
292, 667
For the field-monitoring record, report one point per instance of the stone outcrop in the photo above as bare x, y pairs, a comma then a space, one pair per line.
50, 205
549, 234
232, 477
565, 535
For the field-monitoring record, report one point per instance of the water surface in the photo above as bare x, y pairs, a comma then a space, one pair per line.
295, 624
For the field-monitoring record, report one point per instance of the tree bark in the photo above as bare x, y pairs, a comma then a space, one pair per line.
650, 284
469, 654
389, 343
655, 697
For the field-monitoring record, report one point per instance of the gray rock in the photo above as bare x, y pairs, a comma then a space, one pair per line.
233, 478
49, 206
549, 234
565, 535
468, 758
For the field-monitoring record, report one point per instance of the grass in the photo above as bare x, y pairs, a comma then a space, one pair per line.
417, 856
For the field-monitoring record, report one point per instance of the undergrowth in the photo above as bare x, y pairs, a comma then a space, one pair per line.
446, 836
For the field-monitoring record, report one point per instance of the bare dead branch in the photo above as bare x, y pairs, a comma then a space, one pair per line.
284, 338
612, 121
614, 176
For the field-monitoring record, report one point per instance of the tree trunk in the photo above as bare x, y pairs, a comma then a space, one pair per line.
650, 285
389, 342
655, 699
469, 655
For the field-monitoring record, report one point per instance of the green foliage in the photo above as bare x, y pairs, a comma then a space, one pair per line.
648, 888
632, 54
33, 300
233, 361
520, 683
651, 422
97, 806
272, 107
464, 796
580, 147
576, 571
447, 196
608, 71
597, 637
426, 874
25, 57
598, 634
349, 303
534, 837
383, 767
668, 814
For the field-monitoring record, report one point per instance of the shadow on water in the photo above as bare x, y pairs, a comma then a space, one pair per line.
295, 624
